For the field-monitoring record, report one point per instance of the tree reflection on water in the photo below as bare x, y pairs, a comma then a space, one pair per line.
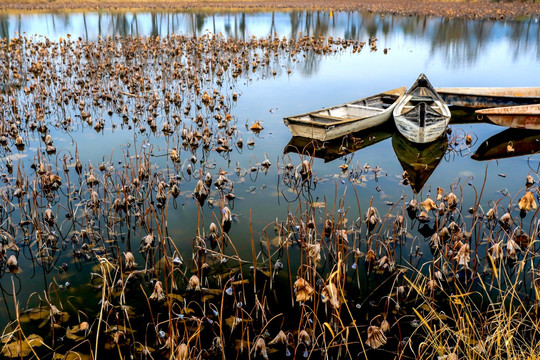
458, 41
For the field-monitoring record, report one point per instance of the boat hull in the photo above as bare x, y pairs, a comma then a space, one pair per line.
421, 135
530, 122
517, 117
479, 98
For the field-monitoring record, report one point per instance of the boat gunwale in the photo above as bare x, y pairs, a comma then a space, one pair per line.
508, 110
532, 92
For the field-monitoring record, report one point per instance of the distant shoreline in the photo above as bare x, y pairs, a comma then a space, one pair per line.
474, 9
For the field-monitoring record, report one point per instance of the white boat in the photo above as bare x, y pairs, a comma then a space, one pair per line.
421, 116
337, 121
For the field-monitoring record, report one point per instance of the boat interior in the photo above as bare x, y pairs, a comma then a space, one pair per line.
349, 111
354, 110
413, 102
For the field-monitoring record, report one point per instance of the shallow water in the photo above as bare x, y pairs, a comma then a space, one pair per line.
451, 52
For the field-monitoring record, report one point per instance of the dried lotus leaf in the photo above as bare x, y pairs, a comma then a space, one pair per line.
207, 297
429, 204
527, 202
375, 337
23, 347
72, 355
176, 297
75, 333
303, 290
330, 294
39, 313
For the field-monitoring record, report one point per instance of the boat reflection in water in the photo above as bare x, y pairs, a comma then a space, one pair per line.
418, 160
509, 143
331, 150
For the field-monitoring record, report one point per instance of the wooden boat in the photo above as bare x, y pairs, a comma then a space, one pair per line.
487, 97
337, 121
421, 116
418, 160
509, 143
331, 150
518, 117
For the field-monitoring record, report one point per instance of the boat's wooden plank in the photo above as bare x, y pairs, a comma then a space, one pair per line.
492, 91
480, 98
365, 107
513, 110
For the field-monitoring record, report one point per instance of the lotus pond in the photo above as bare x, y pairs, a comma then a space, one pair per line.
154, 205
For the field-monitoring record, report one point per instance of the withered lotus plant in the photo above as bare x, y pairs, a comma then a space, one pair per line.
226, 220
303, 290
370, 257
130, 259
182, 352
375, 337
281, 338
505, 220
385, 325
330, 294
512, 248
12, 264
527, 202
314, 251
158, 294
452, 200
413, 205
496, 252
463, 256
491, 214
256, 127
304, 338
260, 348
439, 194
429, 204
194, 284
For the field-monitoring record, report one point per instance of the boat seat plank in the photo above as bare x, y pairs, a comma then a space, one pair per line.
365, 107
319, 119
328, 117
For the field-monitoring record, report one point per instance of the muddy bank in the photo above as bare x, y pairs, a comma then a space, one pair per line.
463, 9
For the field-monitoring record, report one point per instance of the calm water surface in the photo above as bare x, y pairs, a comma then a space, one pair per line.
451, 52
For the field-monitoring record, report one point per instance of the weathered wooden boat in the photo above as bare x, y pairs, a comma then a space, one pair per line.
509, 143
337, 121
418, 160
421, 116
518, 117
331, 150
487, 97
